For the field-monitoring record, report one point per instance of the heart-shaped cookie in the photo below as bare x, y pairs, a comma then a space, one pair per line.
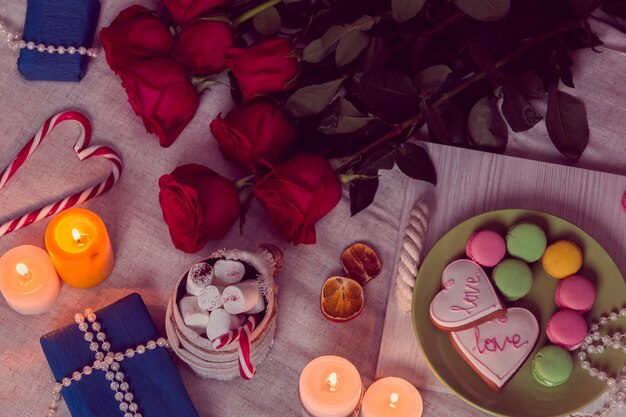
497, 349
467, 298
82, 151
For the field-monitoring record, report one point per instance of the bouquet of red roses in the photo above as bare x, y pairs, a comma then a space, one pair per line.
329, 92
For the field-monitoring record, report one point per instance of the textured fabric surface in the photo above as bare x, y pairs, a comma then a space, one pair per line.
147, 262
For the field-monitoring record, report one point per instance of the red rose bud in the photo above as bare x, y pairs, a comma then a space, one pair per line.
266, 67
297, 194
135, 33
160, 92
198, 205
201, 46
254, 134
185, 10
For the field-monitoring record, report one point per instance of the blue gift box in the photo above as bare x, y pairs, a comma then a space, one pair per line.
58, 23
153, 379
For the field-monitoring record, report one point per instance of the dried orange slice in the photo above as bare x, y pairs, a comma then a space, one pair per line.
341, 299
360, 262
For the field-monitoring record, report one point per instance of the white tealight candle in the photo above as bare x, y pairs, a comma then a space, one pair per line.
392, 397
330, 386
28, 280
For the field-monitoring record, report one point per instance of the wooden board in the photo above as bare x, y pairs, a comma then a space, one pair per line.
471, 183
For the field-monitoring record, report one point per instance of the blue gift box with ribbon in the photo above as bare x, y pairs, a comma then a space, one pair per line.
152, 378
58, 23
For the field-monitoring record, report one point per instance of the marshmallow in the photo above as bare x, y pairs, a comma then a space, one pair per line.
260, 306
241, 297
211, 298
199, 276
195, 318
228, 272
221, 322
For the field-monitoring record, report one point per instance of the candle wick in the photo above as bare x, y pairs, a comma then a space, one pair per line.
394, 399
23, 272
333, 382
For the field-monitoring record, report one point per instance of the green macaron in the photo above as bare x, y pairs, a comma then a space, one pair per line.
526, 241
552, 366
513, 278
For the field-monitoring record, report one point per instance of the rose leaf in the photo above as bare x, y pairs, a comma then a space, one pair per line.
518, 112
404, 10
415, 162
432, 78
486, 126
267, 22
350, 47
566, 122
312, 99
484, 10
362, 193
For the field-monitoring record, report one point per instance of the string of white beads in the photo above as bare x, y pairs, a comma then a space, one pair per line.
595, 343
16, 43
109, 363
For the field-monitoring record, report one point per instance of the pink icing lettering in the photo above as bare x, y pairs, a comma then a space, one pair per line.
470, 295
492, 345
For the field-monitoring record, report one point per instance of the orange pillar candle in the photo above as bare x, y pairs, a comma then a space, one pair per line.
28, 281
79, 246
392, 397
330, 386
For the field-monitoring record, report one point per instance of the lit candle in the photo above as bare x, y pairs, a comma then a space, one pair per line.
79, 246
392, 397
330, 386
28, 281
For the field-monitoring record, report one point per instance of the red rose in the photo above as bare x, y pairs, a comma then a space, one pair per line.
160, 92
266, 67
202, 45
184, 10
299, 193
254, 134
198, 204
135, 32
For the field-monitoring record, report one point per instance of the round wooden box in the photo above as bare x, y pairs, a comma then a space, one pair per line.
197, 351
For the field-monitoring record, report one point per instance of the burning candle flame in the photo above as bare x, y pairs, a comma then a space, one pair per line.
21, 269
333, 382
23, 272
393, 400
76, 235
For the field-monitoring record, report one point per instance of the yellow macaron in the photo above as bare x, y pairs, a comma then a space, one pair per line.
562, 259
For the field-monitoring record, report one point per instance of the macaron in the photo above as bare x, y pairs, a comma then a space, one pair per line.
486, 248
567, 328
576, 293
552, 366
513, 278
526, 241
562, 259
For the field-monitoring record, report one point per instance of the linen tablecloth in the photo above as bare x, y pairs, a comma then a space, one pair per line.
147, 262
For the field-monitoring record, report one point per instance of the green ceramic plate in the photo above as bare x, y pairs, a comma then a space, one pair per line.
522, 397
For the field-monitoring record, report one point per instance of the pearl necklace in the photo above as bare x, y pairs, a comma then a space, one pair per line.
594, 343
16, 43
109, 364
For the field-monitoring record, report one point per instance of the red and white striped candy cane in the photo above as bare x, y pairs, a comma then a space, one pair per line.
226, 339
83, 153
246, 368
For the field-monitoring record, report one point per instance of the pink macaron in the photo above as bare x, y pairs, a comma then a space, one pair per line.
486, 248
576, 293
567, 328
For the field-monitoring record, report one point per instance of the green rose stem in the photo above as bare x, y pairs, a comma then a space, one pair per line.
254, 11
419, 119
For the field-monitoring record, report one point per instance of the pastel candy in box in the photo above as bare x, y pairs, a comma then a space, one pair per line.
153, 379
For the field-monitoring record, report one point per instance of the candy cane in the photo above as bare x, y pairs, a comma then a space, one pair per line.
232, 336
241, 334
246, 368
81, 151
